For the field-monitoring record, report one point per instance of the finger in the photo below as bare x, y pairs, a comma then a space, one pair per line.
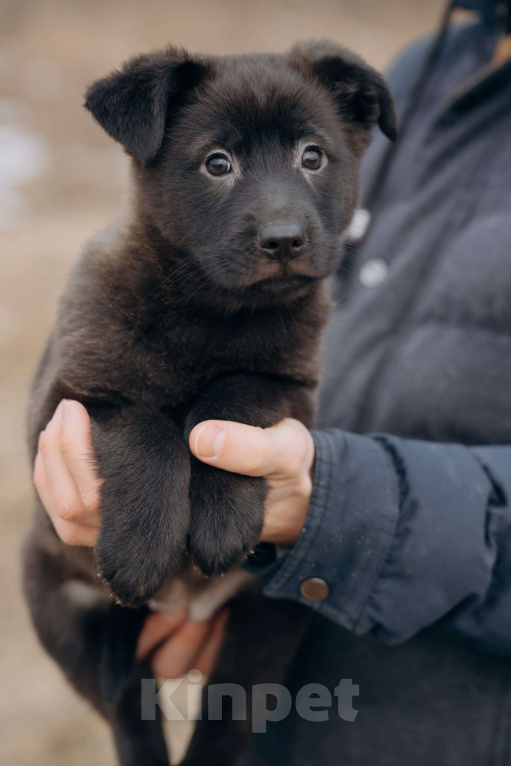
76, 449
277, 451
177, 654
158, 627
65, 497
42, 486
76, 534
70, 533
207, 657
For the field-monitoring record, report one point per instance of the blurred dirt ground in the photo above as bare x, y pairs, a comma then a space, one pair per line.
61, 179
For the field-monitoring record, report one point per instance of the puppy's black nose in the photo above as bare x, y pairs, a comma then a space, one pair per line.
282, 241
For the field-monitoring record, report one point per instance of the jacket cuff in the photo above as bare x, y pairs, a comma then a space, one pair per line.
348, 530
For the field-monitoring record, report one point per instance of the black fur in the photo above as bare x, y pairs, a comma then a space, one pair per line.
174, 315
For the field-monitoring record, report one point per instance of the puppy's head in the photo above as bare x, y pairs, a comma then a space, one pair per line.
248, 164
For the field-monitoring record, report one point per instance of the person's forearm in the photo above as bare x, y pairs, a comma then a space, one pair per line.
401, 534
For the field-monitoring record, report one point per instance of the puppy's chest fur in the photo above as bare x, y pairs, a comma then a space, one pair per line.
206, 347
165, 355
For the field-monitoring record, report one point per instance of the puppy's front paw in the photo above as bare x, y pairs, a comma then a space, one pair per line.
132, 571
227, 516
138, 550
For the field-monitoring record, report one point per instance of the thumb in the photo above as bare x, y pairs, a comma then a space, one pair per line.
277, 451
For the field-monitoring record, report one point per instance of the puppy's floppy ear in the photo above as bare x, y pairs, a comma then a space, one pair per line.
361, 93
132, 104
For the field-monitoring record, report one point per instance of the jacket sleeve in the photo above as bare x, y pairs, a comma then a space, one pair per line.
406, 534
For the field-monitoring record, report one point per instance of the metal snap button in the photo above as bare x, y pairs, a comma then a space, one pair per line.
373, 273
315, 589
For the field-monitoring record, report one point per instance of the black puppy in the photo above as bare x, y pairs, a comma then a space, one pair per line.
204, 300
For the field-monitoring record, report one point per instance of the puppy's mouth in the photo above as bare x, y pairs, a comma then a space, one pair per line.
274, 277
277, 284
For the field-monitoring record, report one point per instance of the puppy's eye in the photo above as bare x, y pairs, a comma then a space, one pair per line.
218, 165
312, 158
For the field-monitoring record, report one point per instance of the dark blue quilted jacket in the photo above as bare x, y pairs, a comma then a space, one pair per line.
410, 520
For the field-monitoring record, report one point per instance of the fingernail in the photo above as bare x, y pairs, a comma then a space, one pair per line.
209, 441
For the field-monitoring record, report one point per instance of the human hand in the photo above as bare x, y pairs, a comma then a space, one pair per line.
282, 454
174, 644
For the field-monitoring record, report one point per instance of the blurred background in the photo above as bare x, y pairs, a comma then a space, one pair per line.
61, 179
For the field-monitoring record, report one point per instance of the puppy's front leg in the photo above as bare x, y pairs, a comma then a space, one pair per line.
226, 509
145, 467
